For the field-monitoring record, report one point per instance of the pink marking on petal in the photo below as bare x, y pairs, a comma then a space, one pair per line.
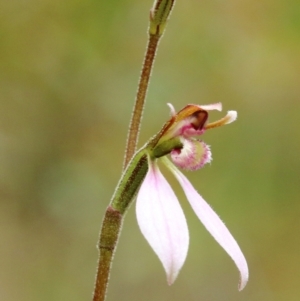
213, 224
194, 154
162, 221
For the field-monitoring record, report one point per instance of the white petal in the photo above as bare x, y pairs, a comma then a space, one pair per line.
162, 221
215, 106
231, 116
172, 109
213, 224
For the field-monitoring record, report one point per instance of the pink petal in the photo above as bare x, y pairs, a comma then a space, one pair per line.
213, 224
162, 221
194, 154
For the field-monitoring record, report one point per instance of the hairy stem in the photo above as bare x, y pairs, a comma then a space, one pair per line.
124, 194
136, 166
110, 230
138, 109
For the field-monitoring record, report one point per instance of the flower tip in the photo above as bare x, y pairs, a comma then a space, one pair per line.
171, 279
231, 116
172, 109
243, 280
215, 106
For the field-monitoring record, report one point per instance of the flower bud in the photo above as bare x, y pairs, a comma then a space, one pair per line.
159, 15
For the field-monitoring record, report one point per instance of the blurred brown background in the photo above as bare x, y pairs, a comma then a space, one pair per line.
68, 76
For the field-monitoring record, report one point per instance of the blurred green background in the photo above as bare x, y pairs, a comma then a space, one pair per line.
68, 76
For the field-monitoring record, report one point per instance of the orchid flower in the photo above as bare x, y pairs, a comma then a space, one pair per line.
159, 214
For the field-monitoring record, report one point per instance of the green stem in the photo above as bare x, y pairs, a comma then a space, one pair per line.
124, 194
135, 169
110, 230
138, 109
